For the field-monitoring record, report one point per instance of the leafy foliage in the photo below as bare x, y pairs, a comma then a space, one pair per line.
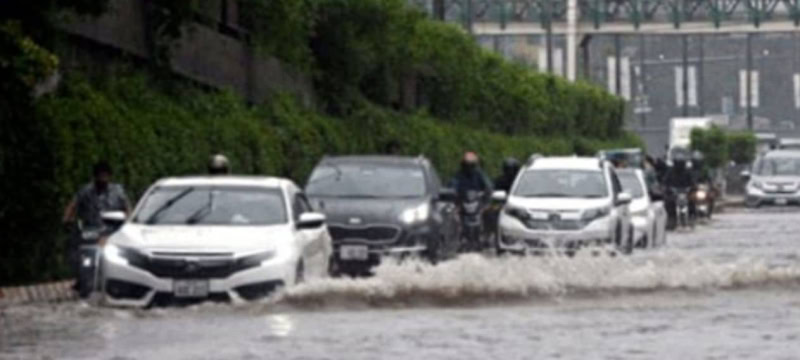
150, 132
742, 147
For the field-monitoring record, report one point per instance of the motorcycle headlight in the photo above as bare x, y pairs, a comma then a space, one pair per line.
701, 195
594, 214
114, 254
415, 215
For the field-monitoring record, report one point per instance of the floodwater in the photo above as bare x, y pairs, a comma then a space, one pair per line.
728, 290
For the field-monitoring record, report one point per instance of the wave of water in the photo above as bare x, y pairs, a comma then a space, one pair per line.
475, 279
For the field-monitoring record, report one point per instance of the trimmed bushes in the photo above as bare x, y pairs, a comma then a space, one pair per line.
148, 131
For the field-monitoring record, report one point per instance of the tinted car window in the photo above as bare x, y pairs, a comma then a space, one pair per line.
369, 181
179, 205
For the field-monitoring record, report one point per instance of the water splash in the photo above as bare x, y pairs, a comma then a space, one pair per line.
474, 279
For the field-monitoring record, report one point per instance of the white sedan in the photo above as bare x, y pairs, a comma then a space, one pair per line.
226, 238
648, 215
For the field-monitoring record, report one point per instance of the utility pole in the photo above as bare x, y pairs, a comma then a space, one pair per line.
618, 64
548, 23
700, 75
572, 40
642, 77
749, 81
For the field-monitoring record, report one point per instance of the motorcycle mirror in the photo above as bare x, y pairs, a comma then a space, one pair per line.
745, 174
113, 217
499, 196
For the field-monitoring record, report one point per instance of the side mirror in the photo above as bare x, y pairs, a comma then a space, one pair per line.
500, 196
310, 220
113, 217
447, 195
624, 198
745, 175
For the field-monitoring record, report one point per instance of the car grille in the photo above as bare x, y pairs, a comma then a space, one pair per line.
195, 266
780, 188
376, 233
563, 225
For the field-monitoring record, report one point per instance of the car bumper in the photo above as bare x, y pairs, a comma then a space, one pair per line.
758, 198
515, 237
129, 286
413, 242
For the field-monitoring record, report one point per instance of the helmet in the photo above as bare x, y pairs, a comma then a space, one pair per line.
697, 156
511, 166
219, 165
470, 158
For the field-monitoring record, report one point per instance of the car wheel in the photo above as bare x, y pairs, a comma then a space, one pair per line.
629, 246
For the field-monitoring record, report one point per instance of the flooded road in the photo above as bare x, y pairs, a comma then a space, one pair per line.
728, 290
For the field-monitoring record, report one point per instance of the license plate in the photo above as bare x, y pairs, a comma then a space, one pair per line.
781, 201
354, 252
190, 288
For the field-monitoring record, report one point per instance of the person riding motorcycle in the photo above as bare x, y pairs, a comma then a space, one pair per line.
511, 167
468, 180
679, 176
471, 177
703, 176
87, 207
219, 165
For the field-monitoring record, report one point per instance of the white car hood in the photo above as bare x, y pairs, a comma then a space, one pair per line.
559, 204
202, 238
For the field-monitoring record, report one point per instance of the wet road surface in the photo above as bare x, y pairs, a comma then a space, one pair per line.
729, 290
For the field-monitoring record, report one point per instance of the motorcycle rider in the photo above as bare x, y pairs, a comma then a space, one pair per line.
218, 164
678, 176
88, 205
471, 177
511, 167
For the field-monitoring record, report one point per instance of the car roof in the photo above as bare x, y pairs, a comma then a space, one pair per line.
226, 180
782, 153
567, 163
391, 160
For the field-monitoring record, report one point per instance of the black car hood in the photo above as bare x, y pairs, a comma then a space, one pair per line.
359, 211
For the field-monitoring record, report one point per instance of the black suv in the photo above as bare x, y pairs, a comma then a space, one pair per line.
383, 205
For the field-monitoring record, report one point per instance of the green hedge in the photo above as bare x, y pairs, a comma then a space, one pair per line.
719, 146
149, 132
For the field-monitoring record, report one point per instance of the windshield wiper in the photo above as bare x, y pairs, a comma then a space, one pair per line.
203, 211
168, 204
545, 195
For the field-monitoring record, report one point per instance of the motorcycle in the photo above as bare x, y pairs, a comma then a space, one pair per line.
683, 214
90, 242
471, 208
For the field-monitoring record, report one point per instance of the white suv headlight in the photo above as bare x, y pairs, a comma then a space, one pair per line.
594, 214
415, 215
113, 254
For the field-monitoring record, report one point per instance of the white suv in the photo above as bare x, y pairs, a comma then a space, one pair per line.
564, 203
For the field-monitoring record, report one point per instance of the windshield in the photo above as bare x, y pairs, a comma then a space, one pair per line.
562, 183
631, 184
368, 181
778, 167
238, 205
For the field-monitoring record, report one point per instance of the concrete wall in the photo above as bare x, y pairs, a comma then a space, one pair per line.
202, 54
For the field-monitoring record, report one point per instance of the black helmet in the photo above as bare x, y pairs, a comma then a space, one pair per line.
511, 166
219, 165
